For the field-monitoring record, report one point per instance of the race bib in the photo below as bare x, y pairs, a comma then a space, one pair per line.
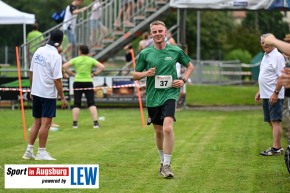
163, 81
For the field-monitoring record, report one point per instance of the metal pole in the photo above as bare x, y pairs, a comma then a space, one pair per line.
182, 36
198, 36
24, 50
6, 54
198, 63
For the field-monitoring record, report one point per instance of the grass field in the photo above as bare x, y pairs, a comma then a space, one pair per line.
213, 95
214, 152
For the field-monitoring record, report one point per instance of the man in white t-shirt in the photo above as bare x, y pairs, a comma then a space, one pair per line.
272, 94
45, 83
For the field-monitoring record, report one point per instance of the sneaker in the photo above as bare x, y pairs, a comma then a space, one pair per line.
166, 172
54, 125
96, 126
43, 156
160, 169
75, 125
28, 155
271, 152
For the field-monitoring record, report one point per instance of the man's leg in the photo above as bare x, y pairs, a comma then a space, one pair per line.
159, 137
34, 131
168, 144
42, 154
277, 134
43, 131
32, 137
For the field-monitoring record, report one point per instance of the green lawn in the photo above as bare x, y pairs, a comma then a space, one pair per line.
214, 152
201, 95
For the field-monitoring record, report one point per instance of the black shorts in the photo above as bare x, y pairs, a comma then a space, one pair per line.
156, 115
89, 93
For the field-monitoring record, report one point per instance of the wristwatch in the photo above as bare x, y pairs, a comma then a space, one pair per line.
276, 92
184, 80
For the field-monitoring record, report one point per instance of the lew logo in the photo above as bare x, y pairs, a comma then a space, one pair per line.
83, 175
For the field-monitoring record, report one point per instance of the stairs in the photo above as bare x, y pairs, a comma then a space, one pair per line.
141, 16
130, 33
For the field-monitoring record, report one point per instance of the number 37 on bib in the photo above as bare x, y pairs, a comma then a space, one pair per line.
164, 81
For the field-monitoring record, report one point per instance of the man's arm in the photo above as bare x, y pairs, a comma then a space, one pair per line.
77, 11
279, 44
186, 75
58, 85
30, 81
189, 70
140, 75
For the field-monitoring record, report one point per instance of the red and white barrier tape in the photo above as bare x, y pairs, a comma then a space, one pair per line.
98, 87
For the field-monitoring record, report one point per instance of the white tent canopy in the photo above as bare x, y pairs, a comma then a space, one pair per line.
231, 4
10, 15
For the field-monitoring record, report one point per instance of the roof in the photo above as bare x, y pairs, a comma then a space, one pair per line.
10, 15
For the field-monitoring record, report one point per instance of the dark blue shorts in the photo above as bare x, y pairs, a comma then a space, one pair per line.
43, 107
273, 112
157, 114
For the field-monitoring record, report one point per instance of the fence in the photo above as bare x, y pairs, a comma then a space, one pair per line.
222, 72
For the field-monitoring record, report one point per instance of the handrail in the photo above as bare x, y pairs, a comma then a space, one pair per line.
110, 12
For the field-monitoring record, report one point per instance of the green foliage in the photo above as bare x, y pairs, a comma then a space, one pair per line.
243, 55
213, 33
243, 38
267, 22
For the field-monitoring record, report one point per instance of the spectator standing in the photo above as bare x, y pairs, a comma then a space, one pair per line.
45, 83
98, 30
37, 37
170, 40
83, 83
128, 55
145, 42
284, 47
157, 63
69, 25
272, 94
125, 10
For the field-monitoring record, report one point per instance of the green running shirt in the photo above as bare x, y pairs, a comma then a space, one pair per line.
165, 61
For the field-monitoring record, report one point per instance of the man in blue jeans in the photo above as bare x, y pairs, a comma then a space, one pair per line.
272, 94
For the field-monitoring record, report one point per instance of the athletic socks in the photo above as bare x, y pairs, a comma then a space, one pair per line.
29, 147
167, 159
161, 155
41, 149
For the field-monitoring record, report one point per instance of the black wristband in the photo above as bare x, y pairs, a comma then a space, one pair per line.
184, 80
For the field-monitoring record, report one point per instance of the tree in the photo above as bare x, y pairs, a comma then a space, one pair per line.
214, 26
267, 22
243, 38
